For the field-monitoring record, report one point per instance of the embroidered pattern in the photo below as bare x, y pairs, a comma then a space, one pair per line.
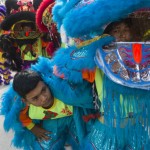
49, 114
66, 111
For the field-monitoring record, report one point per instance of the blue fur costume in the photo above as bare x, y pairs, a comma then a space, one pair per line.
121, 105
86, 21
12, 104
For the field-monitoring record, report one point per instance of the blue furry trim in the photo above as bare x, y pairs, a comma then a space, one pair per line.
60, 10
56, 16
10, 108
7, 100
91, 18
43, 66
70, 93
71, 61
13, 114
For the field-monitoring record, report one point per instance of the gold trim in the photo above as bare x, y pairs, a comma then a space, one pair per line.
88, 42
12, 27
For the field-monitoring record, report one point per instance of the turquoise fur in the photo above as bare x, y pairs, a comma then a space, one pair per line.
66, 62
76, 94
11, 106
92, 18
60, 10
87, 21
78, 22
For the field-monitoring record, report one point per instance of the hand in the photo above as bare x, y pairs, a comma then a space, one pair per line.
40, 133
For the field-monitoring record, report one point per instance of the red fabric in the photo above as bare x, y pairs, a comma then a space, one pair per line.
90, 116
24, 118
89, 75
50, 49
137, 52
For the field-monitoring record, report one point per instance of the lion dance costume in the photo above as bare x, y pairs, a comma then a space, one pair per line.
20, 21
123, 90
120, 93
23, 138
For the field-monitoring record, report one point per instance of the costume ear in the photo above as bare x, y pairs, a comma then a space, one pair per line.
25, 101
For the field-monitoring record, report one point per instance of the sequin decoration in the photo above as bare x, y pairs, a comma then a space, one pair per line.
77, 54
128, 63
84, 3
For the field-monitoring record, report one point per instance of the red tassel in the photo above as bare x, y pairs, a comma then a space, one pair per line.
90, 116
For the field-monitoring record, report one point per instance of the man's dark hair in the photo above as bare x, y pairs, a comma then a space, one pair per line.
113, 25
133, 23
26, 81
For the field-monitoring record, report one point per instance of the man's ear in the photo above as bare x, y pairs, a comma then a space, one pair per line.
25, 101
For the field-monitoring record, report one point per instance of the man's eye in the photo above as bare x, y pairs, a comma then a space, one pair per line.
115, 31
44, 89
35, 98
126, 30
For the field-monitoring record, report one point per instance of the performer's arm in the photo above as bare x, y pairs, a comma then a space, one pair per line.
27, 122
25, 119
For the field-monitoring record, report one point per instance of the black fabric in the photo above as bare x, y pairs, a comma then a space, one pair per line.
12, 19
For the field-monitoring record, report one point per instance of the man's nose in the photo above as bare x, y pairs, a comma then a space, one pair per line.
42, 98
122, 34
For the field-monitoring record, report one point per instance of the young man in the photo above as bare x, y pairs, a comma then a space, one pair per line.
42, 105
121, 30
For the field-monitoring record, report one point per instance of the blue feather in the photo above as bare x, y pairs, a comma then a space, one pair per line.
90, 18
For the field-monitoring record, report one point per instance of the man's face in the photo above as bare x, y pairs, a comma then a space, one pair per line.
122, 33
40, 96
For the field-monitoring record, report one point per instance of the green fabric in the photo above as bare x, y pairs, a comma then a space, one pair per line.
99, 86
37, 46
58, 110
